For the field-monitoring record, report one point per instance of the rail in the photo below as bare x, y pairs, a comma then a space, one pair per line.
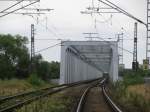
108, 99
41, 93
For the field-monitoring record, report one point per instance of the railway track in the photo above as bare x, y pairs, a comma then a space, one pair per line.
13, 102
96, 99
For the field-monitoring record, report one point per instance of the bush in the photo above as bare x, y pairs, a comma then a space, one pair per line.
129, 101
133, 79
35, 80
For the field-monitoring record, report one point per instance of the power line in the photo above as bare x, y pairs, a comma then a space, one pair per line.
118, 46
18, 0
25, 13
63, 42
112, 5
49, 47
11, 6
48, 29
38, 9
47, 39
19, 8
114, 45
105, 21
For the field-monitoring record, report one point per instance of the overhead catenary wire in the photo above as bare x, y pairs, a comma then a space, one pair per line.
118, 46
106, 20
63, 42
19, 8
108, 41
110, 4
119, 25
24, 13
121, 11
125, 12
48, 29
11, 6
56, 34
45, 39
48, 47
17, 0
113, 44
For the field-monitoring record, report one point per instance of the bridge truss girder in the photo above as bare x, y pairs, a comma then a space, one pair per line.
89, 59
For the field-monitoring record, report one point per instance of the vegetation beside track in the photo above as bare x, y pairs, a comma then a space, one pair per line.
17, 74
13, 86
132, 94
64, 101
15, 60
55, 103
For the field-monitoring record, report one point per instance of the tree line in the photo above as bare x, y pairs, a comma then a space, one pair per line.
15, 60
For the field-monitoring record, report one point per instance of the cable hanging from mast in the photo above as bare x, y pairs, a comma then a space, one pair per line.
112, 5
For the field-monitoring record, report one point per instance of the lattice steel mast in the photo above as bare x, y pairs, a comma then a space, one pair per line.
120, 45
148, 33
32, 42
32, 69
135, 62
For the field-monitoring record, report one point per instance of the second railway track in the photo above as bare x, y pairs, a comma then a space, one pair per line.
11, 103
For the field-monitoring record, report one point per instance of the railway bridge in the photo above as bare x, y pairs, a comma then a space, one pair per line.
84, 60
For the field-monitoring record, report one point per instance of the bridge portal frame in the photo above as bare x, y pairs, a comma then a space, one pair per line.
75, 66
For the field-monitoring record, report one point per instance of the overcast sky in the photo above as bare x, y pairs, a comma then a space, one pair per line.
66, 22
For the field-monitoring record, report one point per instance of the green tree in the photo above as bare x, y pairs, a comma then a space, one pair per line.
48, 70
44, 70
14, 56
15, 60
54, 69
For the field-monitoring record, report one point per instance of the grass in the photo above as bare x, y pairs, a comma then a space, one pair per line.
132, 94
13, 86
64, 101
141, 89
59, 102
8, 87
132, 98
55, 103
